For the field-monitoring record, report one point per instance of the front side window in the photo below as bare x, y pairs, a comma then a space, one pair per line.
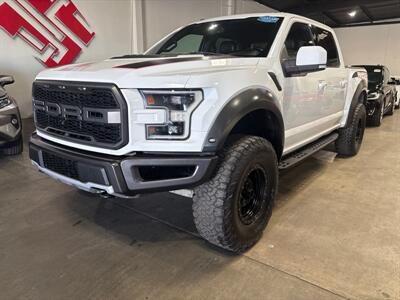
298, 36
249, 37
324, 38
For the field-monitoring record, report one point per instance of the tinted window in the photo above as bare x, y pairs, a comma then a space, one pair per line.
325, 39
188, 43
251, 37
375, 75
299, 36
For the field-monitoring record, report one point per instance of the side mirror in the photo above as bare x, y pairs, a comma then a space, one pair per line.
309, 59
6, 79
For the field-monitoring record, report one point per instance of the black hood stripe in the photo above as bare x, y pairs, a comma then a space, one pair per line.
157, 62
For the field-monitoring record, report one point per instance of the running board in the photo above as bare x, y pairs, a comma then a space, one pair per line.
294, 158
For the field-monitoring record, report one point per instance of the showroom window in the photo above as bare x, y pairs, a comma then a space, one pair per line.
325, 39
299, 36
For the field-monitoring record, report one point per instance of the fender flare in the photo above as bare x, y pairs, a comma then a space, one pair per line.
238, 107
362, 88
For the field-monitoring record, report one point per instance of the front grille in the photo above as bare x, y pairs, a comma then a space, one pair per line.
85, 131
60, 165
60, 110
93, 97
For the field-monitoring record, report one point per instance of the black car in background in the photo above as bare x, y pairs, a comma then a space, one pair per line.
381, 94
10, 121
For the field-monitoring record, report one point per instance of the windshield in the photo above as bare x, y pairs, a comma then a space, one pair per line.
375, 75
250, 37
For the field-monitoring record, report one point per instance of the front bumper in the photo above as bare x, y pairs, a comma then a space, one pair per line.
373, 105
10, 132
119, 176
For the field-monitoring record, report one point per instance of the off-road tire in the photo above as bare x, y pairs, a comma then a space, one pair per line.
376, 119
14, 148
216, 203
350, 138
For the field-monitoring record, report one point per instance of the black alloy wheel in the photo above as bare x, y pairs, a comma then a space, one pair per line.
252, 195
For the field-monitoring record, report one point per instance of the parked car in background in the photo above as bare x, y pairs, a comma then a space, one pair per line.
10, 121
381, 95
395, 80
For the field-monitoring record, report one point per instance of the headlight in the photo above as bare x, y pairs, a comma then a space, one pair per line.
4, 102
179, 105
373, 96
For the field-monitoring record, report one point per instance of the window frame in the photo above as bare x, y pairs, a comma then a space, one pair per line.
339, 63
290, 26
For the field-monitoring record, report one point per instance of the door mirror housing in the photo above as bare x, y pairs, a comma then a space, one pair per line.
309, 59
6, 79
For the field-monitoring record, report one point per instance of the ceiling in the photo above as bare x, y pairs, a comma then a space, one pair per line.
335, 13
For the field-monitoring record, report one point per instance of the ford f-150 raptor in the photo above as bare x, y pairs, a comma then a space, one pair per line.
218, 106
10, 121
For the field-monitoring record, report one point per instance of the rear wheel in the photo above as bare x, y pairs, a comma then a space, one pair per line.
233, 208
351, 137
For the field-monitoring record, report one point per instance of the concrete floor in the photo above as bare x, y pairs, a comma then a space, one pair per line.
334, 234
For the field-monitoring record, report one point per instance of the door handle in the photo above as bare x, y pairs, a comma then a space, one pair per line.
322, 84
343, 83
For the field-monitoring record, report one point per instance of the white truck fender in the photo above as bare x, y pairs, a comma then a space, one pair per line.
357, 91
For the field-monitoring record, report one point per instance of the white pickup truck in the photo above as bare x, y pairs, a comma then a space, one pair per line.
218, 106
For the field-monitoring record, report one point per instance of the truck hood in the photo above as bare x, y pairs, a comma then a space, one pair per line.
148, 72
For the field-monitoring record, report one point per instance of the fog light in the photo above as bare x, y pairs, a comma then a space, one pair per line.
173, 129
165, 131
14, 121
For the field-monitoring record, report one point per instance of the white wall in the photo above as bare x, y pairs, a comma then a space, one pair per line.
121, 27
378, 44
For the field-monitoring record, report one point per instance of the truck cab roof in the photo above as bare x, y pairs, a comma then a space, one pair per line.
286, 16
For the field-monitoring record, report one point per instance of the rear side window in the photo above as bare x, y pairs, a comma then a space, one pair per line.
299, 36
324, 38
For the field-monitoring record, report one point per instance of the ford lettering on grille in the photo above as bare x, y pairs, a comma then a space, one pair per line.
75, 112
92, 114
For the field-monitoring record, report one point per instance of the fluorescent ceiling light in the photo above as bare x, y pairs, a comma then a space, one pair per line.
352, 13
213, 26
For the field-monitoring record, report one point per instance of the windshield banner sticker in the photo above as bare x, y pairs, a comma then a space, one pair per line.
268, 19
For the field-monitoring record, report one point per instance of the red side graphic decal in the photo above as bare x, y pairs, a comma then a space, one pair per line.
42, 33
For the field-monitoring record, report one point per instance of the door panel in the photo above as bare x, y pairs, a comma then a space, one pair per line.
335, 75
300, 96
312, 104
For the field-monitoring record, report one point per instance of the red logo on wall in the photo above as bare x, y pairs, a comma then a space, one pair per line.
35, 21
